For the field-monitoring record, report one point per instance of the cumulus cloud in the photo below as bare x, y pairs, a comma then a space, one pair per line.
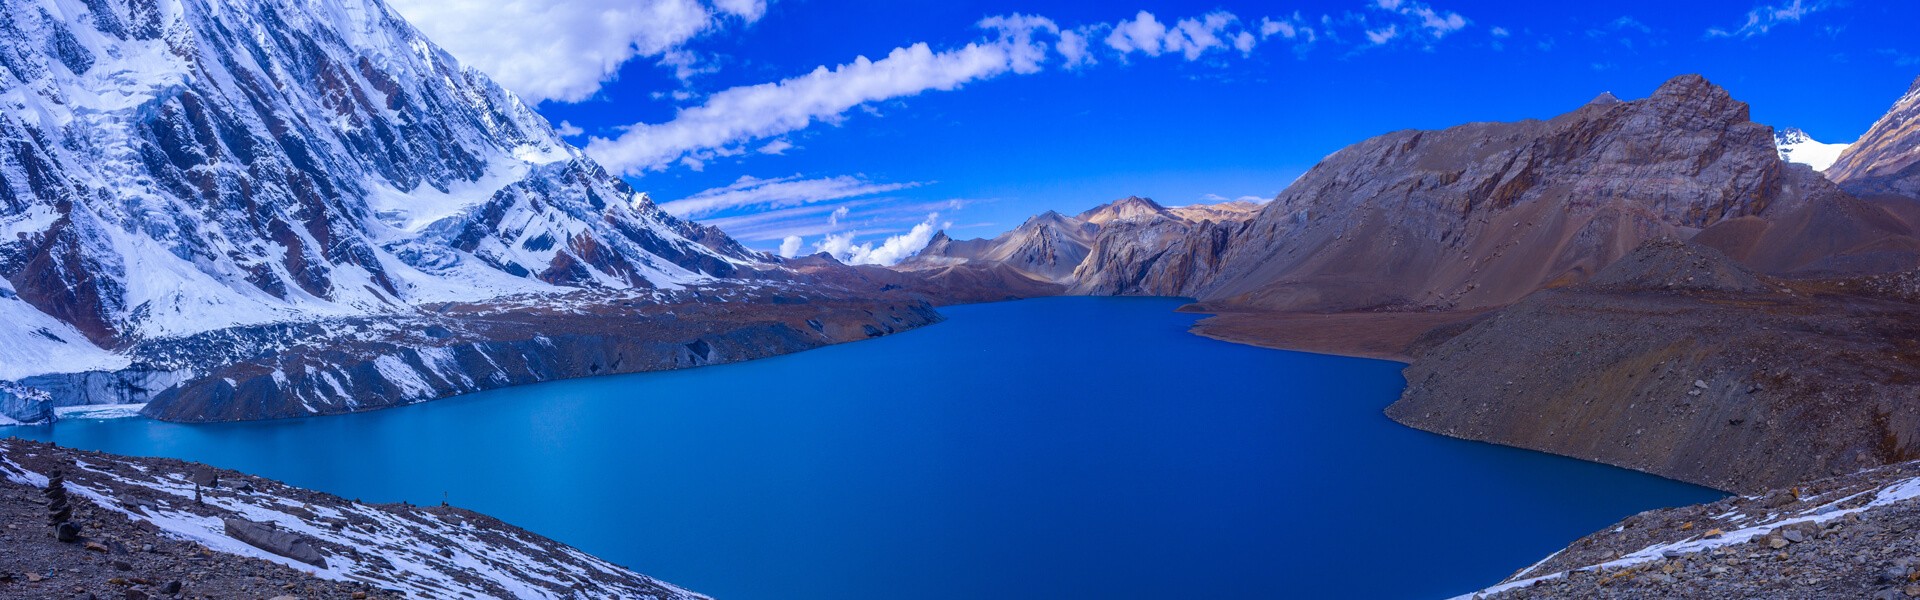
564, 50
1764, 18
752, 192
566, 129
1191, 38
833, 219
890, 251
1074, 48
790, 246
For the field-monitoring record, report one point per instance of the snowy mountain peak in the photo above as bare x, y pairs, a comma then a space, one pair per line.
1791, 136
1796, 146
180, 166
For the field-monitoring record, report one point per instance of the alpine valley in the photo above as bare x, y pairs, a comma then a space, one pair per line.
252, 210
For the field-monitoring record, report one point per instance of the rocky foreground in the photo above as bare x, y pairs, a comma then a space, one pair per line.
1856, 536
163, 528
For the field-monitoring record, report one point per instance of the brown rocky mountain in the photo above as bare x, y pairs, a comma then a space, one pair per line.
1483, 214
1886, 161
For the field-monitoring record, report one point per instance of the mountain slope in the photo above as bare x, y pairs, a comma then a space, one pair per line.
1483, 214
178, 166
1886, 161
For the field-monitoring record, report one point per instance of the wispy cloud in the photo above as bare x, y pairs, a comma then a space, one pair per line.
751, 192
726, 122
564, 51
1762, 19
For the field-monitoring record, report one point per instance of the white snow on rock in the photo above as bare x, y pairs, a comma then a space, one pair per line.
421, 553
1796, 146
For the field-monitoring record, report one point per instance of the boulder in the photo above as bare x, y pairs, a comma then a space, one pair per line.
266, 536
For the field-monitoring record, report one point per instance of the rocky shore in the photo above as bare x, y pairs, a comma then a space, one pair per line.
1856, 536
162, 528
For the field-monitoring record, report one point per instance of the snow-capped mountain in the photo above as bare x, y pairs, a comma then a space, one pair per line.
1796, 146
173, 167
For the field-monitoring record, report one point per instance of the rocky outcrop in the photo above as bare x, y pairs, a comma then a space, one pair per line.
22, 404
1886, 161
1680, 362
1844, 537
159, 527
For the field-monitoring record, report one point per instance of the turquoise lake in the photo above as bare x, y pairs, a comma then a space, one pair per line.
1043, 449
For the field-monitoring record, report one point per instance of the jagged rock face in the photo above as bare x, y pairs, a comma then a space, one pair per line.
1886, 161
1482, 214
1165, 256
173, 166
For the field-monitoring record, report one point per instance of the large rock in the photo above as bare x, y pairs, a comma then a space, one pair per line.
266, 536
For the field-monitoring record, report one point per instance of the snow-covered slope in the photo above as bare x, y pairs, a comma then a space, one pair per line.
1796, 146
169, 167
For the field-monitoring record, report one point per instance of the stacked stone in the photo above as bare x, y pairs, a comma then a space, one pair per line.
59, 512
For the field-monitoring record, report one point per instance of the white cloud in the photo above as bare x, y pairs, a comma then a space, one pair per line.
1191, 38
748, 10
776, 147
1143, 33
1073, 48
1764, 18
838, 214
566, 129
890, 251
776, 193
1382, 36
564, 50
738, 115
790, 246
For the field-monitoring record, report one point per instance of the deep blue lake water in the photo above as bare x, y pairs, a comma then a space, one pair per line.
1044, 449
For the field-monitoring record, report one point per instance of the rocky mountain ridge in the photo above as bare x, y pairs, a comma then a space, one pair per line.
1886, 161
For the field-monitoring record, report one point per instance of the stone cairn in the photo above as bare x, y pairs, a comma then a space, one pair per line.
59, 512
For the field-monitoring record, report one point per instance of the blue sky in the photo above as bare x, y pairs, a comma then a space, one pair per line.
986, 125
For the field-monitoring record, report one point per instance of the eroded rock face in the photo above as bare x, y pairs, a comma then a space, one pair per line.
1886, 161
